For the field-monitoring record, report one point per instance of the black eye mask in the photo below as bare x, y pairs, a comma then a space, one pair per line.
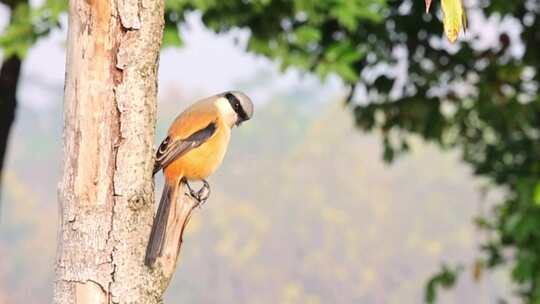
237, 106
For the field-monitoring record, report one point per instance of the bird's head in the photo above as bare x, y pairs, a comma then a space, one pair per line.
241, 105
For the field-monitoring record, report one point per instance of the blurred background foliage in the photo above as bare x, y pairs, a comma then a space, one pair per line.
406, 80
288, 221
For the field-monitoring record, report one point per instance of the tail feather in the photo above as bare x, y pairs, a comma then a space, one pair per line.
159, 227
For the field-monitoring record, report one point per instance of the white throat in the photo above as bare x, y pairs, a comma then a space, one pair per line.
226, 111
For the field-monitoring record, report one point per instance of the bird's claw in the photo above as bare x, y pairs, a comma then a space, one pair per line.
202, 195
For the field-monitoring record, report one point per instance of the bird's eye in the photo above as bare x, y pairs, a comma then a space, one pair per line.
237, 105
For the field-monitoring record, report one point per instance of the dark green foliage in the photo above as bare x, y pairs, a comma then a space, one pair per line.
319, 36
494, 121
446, 278
171, 36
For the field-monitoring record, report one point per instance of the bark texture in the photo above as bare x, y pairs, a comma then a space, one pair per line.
176, 224
106, 199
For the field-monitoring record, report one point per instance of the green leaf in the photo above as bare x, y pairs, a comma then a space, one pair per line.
28, 24
526, 264
323, 70
171, 36
307, 34
446, 278
347, 72
339, 50
258, 45
19, 35
55, 8
536, 195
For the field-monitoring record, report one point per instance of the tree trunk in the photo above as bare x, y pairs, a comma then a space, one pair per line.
106, 196
9, 78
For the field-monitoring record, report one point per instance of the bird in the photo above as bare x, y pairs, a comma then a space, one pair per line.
193, 149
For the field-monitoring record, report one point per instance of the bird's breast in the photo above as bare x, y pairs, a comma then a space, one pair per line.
202, 161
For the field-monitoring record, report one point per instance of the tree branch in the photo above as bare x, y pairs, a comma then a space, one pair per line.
181, 211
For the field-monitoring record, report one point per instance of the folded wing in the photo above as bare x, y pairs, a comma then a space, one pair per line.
171, 149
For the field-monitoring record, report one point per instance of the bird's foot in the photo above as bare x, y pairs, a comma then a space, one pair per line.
202, 195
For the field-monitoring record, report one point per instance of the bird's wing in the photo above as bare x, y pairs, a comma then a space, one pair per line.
170, 149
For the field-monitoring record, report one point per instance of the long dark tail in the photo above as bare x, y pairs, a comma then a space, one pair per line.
159, 227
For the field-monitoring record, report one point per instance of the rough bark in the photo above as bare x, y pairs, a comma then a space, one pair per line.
106, 199
176, 223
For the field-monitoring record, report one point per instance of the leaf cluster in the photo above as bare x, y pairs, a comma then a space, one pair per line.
28, 24
481, 99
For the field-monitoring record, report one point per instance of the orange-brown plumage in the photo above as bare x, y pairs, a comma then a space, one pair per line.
202, 161
194, 148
